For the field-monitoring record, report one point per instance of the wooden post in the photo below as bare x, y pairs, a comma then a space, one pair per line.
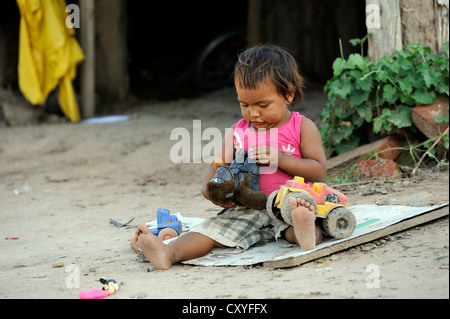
402, 22
88, 67
254, 22
387, 32
442, 24
425, 22
111, 76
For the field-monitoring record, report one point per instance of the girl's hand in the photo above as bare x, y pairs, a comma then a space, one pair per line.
265, 155
228, 205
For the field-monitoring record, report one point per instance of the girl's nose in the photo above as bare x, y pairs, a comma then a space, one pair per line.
254, 112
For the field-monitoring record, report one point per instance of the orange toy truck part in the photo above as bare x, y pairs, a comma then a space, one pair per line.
318, 191
329, 205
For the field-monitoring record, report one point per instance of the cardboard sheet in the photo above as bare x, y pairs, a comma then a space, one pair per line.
371, 219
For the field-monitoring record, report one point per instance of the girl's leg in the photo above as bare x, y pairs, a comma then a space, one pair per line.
188, 246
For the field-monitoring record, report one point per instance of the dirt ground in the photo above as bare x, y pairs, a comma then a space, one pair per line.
61, 183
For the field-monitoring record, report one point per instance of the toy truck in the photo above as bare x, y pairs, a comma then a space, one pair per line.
168, 226
329, 205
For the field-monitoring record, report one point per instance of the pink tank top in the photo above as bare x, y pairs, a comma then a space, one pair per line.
286, 139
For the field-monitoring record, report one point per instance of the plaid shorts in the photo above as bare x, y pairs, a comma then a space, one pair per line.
242, 228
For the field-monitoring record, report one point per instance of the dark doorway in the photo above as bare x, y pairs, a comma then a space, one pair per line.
166, 38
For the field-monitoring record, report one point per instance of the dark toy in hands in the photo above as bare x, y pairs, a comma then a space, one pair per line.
237, 183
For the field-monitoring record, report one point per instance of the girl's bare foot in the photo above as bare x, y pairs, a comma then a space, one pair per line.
133, 243
189, 246
157, 252
304, 225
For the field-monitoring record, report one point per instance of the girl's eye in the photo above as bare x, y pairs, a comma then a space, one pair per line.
264, 106
244, 105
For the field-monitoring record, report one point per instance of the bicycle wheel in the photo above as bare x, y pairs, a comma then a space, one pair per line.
215, 64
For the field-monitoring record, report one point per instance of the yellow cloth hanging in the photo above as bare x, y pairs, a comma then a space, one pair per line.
48, 54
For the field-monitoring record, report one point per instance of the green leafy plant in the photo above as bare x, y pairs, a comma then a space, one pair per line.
380, 94
444, 119
348, 176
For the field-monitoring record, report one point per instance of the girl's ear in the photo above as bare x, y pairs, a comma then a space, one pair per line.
290, 96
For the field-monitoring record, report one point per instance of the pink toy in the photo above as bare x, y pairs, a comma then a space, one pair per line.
109, 287
94, 293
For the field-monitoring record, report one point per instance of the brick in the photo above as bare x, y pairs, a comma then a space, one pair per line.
377, 168
385, 143
388, 148
423, 117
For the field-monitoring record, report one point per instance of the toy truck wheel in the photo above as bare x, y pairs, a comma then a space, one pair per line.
274, 212
286, 206
340, 223
167, 233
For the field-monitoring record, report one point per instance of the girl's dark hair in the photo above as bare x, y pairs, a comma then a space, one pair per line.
262, 62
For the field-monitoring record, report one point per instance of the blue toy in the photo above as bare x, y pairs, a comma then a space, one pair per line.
164, 221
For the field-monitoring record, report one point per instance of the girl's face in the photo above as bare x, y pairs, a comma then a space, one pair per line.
264, 107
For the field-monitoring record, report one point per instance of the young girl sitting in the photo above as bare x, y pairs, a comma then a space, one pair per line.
284, 143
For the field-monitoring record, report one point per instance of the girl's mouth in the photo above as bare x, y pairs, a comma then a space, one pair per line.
257, 123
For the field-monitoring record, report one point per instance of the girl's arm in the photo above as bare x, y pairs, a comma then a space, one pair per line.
313, 164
